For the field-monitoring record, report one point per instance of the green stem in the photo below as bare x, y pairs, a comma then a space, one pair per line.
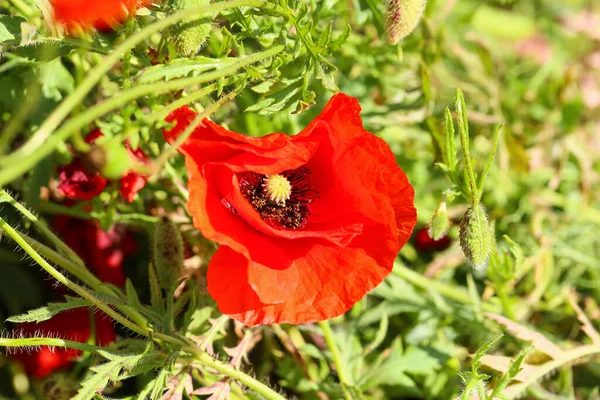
451, 292
14, 235
135, 219
27, 161
504, 300
340, 366
94, 76
45, 341
463, 131
60, 245
207, 361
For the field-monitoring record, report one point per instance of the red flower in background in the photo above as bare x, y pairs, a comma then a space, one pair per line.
103, 252
308, 224
70, 325
77, 182
132, 182
102, 15
424, 242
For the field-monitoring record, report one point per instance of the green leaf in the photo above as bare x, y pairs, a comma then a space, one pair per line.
476, 361
10, 28
50, 310
182, 67
132, 298
120, 366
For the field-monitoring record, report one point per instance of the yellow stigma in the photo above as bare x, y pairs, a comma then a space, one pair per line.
278, 188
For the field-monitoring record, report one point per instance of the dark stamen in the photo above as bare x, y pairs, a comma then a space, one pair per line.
292, 214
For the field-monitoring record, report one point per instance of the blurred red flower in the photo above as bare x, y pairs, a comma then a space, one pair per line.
103, 252
70, 325
77, 181
132, 182
424, 242
308, 224
102, 15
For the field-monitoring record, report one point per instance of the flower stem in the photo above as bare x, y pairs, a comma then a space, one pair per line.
335, 354
46, 341
207, 361
62, 247
463, 132
4, 226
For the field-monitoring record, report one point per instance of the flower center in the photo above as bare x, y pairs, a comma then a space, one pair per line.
278, 188
282, 200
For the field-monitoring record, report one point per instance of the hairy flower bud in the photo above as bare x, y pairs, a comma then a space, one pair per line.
168, 253
477, 236
402, 17
190, 34
438, 228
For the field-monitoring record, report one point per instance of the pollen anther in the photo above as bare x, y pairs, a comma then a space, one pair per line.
278, 188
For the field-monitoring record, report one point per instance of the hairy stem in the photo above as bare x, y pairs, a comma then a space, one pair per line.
335, 354
207, 361
4, 226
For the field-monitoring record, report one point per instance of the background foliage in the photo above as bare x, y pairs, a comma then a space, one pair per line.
530, 66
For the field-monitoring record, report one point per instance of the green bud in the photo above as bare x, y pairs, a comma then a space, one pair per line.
190, 34
111, 159
438, 228
168, 253
402, 17
477, 236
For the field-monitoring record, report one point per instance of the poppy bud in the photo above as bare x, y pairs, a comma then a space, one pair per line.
168, 253
438, 228
190, 34
111, 159
59, 386
477, 236
402, 17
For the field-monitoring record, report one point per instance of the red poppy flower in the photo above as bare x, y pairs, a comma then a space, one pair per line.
308, 224
102, 15
132, 182
71, 325
78, 182
424, 242
103, 252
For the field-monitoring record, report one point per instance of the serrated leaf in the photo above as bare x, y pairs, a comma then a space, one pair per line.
110, 371
182, 67
476, 361
10, 28
49, 311
132, 297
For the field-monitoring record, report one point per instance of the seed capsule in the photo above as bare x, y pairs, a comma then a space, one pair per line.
190, 34
402, 17
477, 236
168, 253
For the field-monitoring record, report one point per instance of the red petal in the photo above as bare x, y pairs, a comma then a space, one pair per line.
328, 282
